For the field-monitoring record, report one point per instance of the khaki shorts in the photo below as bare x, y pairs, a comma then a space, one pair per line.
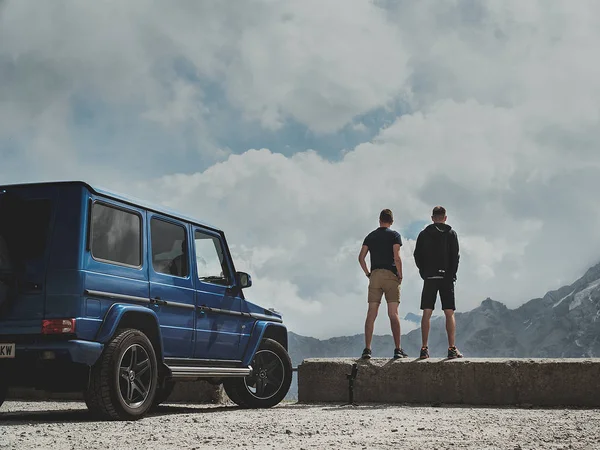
382, 282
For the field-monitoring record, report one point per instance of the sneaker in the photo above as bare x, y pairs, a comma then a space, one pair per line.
454, 353
424, 353
366, 354
399, 353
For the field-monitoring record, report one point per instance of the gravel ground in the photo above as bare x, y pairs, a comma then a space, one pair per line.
67, 425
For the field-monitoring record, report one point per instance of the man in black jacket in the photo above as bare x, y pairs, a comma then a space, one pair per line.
436, 255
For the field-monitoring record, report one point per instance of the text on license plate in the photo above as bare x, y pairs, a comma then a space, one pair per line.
7, 350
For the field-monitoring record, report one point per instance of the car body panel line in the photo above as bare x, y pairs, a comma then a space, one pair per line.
113, 295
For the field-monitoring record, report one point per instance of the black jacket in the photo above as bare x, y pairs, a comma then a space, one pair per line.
436, 252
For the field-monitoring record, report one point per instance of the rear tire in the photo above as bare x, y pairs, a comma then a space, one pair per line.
123, 381
270, 380
92, 404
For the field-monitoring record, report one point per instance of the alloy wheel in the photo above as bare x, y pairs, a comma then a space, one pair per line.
267, 375
135, 376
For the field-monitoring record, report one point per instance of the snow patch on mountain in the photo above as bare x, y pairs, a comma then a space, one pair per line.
584, 294
564, 298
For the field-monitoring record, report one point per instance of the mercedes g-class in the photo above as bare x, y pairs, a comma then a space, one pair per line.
118, 299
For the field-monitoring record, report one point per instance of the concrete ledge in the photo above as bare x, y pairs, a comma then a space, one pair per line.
472, 381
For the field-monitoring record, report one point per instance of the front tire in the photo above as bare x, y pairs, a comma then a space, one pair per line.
123, 381
270, 380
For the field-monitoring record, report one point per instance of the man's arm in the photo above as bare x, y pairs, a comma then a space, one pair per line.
418, 250
361, 260
454, 253
419, 254
398, 261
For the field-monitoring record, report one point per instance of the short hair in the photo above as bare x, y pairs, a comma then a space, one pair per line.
439, 211
386, 216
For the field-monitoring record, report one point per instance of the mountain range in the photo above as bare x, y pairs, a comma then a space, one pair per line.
412, 317
564, 323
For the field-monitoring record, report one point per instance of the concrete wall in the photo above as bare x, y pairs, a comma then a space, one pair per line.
472, 381
190, 392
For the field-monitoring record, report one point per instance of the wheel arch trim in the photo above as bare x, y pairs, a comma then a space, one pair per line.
114, 317
262, 330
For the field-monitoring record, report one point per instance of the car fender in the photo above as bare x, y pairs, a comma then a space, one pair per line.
114, 316
259, 331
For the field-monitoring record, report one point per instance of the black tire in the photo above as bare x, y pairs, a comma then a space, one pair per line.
3, 392
270, 380
231, 386
123, 381
163, 392
92, 404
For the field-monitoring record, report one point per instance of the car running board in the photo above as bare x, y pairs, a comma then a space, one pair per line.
201, 372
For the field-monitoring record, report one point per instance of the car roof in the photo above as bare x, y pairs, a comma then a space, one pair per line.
123, 198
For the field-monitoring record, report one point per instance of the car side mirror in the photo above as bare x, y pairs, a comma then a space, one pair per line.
245, 280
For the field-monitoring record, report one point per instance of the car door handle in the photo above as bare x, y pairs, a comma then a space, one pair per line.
156, 301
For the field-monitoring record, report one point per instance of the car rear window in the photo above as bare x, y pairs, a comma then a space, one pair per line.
116, 235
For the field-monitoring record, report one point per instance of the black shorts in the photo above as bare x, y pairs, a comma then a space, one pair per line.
430, 289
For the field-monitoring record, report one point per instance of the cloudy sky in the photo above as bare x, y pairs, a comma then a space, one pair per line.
291, 124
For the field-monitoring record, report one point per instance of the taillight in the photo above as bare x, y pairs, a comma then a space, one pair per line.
58, 326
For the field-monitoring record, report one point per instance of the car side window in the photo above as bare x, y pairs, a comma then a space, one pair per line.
210, 260
115, 235
169, 248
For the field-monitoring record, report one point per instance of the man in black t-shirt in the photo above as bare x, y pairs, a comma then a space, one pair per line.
385, 278
436, 256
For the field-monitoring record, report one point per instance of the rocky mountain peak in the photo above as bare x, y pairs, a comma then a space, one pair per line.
489, 304
592, 274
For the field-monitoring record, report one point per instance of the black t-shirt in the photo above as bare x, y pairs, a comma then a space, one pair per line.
381, 248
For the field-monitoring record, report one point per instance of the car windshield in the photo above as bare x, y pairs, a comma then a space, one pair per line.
24, 227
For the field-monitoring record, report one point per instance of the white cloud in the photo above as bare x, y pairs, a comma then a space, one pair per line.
321, 68
475, 159
154, 64
503, 130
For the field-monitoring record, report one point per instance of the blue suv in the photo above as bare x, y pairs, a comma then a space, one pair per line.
105, 295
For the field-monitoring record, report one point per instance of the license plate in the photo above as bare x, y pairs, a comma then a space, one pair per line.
7, 350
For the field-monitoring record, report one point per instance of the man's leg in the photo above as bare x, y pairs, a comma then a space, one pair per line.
370, 323
374, 299
448, 305
394, 322
450, 326
425, 323
391, 289
428, 297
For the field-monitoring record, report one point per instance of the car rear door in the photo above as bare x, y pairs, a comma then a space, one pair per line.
26, 221
171, 284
